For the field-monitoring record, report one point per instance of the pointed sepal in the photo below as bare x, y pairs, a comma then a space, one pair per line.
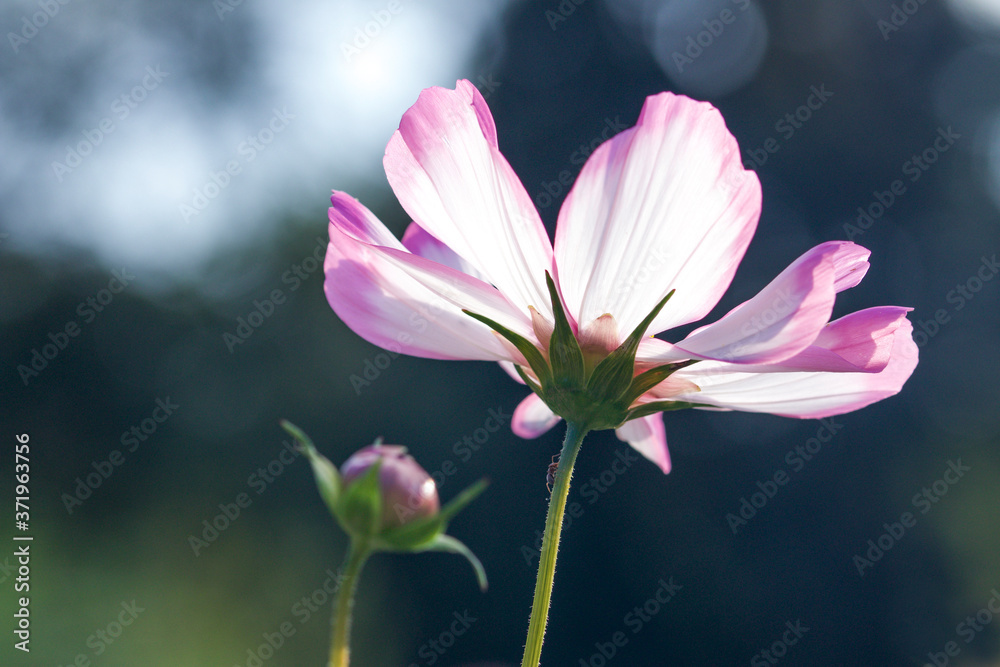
613, 375
411, 536
652, 408
327, 477
361, 504
459, 502
565, 353
528, 381
449, 544
523, 345
645, 381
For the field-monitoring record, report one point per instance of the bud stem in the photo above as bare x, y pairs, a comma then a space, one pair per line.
340, 652
550, 544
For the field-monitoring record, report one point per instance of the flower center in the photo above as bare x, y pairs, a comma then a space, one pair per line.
590, 381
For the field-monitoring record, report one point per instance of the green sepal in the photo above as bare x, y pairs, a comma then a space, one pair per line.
449, 544
612, 377
528, 381
565, 354
530, 352
417, 533
327, 477
360, 508
647, 409
647, 380
458, 503
410, 537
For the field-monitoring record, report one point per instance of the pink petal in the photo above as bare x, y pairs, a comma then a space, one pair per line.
532, 418
850, 263
672, 386
664, 205
648, 437
405, 303
653, 352
418, 241
444, 166
510, 369
781, 321
600, 336
809, 395
861, 341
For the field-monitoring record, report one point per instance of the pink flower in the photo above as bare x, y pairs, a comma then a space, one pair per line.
662, 212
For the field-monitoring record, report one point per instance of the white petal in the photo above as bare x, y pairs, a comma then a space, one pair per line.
510, 369
444, 166
532, 418
809, 395
648, 436
664, 205
405, 303
783, 319
419, 241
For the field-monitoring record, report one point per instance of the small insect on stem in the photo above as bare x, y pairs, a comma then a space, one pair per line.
550, 476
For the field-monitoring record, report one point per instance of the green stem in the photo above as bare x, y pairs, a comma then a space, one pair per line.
550, 545
340, 651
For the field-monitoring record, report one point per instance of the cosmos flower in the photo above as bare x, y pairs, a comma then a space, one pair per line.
648, 239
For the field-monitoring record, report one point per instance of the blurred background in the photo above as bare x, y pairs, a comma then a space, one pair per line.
163, 193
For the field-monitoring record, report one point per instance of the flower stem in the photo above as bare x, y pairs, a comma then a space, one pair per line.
550, 545
340, 652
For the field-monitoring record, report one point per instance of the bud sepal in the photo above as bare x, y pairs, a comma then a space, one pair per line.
384, 500
326, 474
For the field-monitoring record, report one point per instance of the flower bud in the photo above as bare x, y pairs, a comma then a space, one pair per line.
407, 492
387, 502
